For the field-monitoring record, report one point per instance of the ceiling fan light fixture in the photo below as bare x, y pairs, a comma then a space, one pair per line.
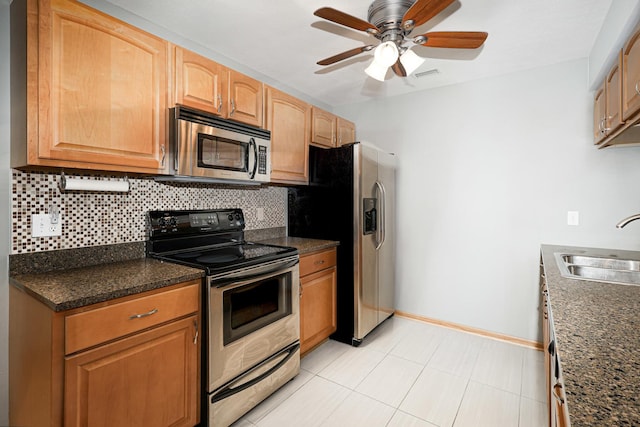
385, 55
410, 61
377, 71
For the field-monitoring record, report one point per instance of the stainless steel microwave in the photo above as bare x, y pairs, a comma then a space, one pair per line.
207, 148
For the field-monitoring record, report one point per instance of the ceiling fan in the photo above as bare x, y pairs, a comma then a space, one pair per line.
391, 22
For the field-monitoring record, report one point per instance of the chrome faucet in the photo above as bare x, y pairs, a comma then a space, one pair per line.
627, 220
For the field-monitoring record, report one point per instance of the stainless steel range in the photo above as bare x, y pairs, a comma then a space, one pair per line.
251, 306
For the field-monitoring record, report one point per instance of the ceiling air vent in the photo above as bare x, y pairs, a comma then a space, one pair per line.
427, 73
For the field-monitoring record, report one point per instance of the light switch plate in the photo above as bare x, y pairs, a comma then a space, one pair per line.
41, 225
260, 214
573, 218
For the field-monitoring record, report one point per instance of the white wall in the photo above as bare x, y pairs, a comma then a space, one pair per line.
487, 173
5, 214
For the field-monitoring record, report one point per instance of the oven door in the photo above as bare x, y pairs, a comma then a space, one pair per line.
253, 314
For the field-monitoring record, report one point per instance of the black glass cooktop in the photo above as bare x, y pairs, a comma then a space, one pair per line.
212, 239
220, 259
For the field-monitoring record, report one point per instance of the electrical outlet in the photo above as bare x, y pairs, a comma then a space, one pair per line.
573, 218
41, 225
260, 214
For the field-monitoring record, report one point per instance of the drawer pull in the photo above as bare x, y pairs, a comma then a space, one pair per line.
319, 262
139, 316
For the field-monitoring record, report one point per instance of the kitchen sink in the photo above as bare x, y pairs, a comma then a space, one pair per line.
600, 269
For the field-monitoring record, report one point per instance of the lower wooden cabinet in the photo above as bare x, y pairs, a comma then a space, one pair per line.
147, 379
140, 369
317, 298
557, 410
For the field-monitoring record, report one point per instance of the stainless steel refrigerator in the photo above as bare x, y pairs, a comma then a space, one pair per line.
351, 198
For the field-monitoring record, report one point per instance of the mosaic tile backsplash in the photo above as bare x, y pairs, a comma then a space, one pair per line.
93, 218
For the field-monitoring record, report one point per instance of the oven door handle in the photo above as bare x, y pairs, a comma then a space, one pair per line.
230, 390
224, 281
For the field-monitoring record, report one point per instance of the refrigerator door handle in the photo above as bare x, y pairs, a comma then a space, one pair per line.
382, 215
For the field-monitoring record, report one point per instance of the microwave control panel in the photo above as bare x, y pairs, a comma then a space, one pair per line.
262, 159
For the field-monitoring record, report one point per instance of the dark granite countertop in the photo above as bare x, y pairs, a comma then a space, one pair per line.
76, 287
302, 244
597, 328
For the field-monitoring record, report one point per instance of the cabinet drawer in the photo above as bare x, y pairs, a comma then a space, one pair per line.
317, 261
93, 327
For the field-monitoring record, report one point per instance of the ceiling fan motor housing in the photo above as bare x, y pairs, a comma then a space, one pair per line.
388, 13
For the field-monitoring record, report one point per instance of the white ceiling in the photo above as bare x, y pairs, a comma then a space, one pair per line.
283, 40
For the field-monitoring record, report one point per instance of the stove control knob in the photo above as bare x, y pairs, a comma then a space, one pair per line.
172, 221
230, 217
161, 222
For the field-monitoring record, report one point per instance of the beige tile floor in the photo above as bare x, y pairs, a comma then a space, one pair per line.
410, 373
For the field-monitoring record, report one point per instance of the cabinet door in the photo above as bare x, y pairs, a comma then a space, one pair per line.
613, 92
245, 99
150, 379
323, 128
288, 119
631, 76
200, 82
317, 308
346, 131
599, 105
102, 98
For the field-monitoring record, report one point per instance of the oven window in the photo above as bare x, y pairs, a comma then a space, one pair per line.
222, 153
251, 307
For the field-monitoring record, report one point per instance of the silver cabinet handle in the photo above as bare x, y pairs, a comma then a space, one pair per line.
140, 316
637, 90
556, 389
233, 107
320, 262
195, 327
219, 103
164, 155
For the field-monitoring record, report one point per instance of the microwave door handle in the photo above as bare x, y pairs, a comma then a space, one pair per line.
252, 142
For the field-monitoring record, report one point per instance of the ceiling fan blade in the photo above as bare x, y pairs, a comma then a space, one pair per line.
423, 10
398, 68
344, 55
452, 39
345, 19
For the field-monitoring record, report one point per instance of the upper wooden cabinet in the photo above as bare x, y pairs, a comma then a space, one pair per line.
631, 76
289, 120
200, 82
324, 126
95, 89
346, 131
599, 115
607, 118
245, 99
329, 130
206, 85
613, 91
